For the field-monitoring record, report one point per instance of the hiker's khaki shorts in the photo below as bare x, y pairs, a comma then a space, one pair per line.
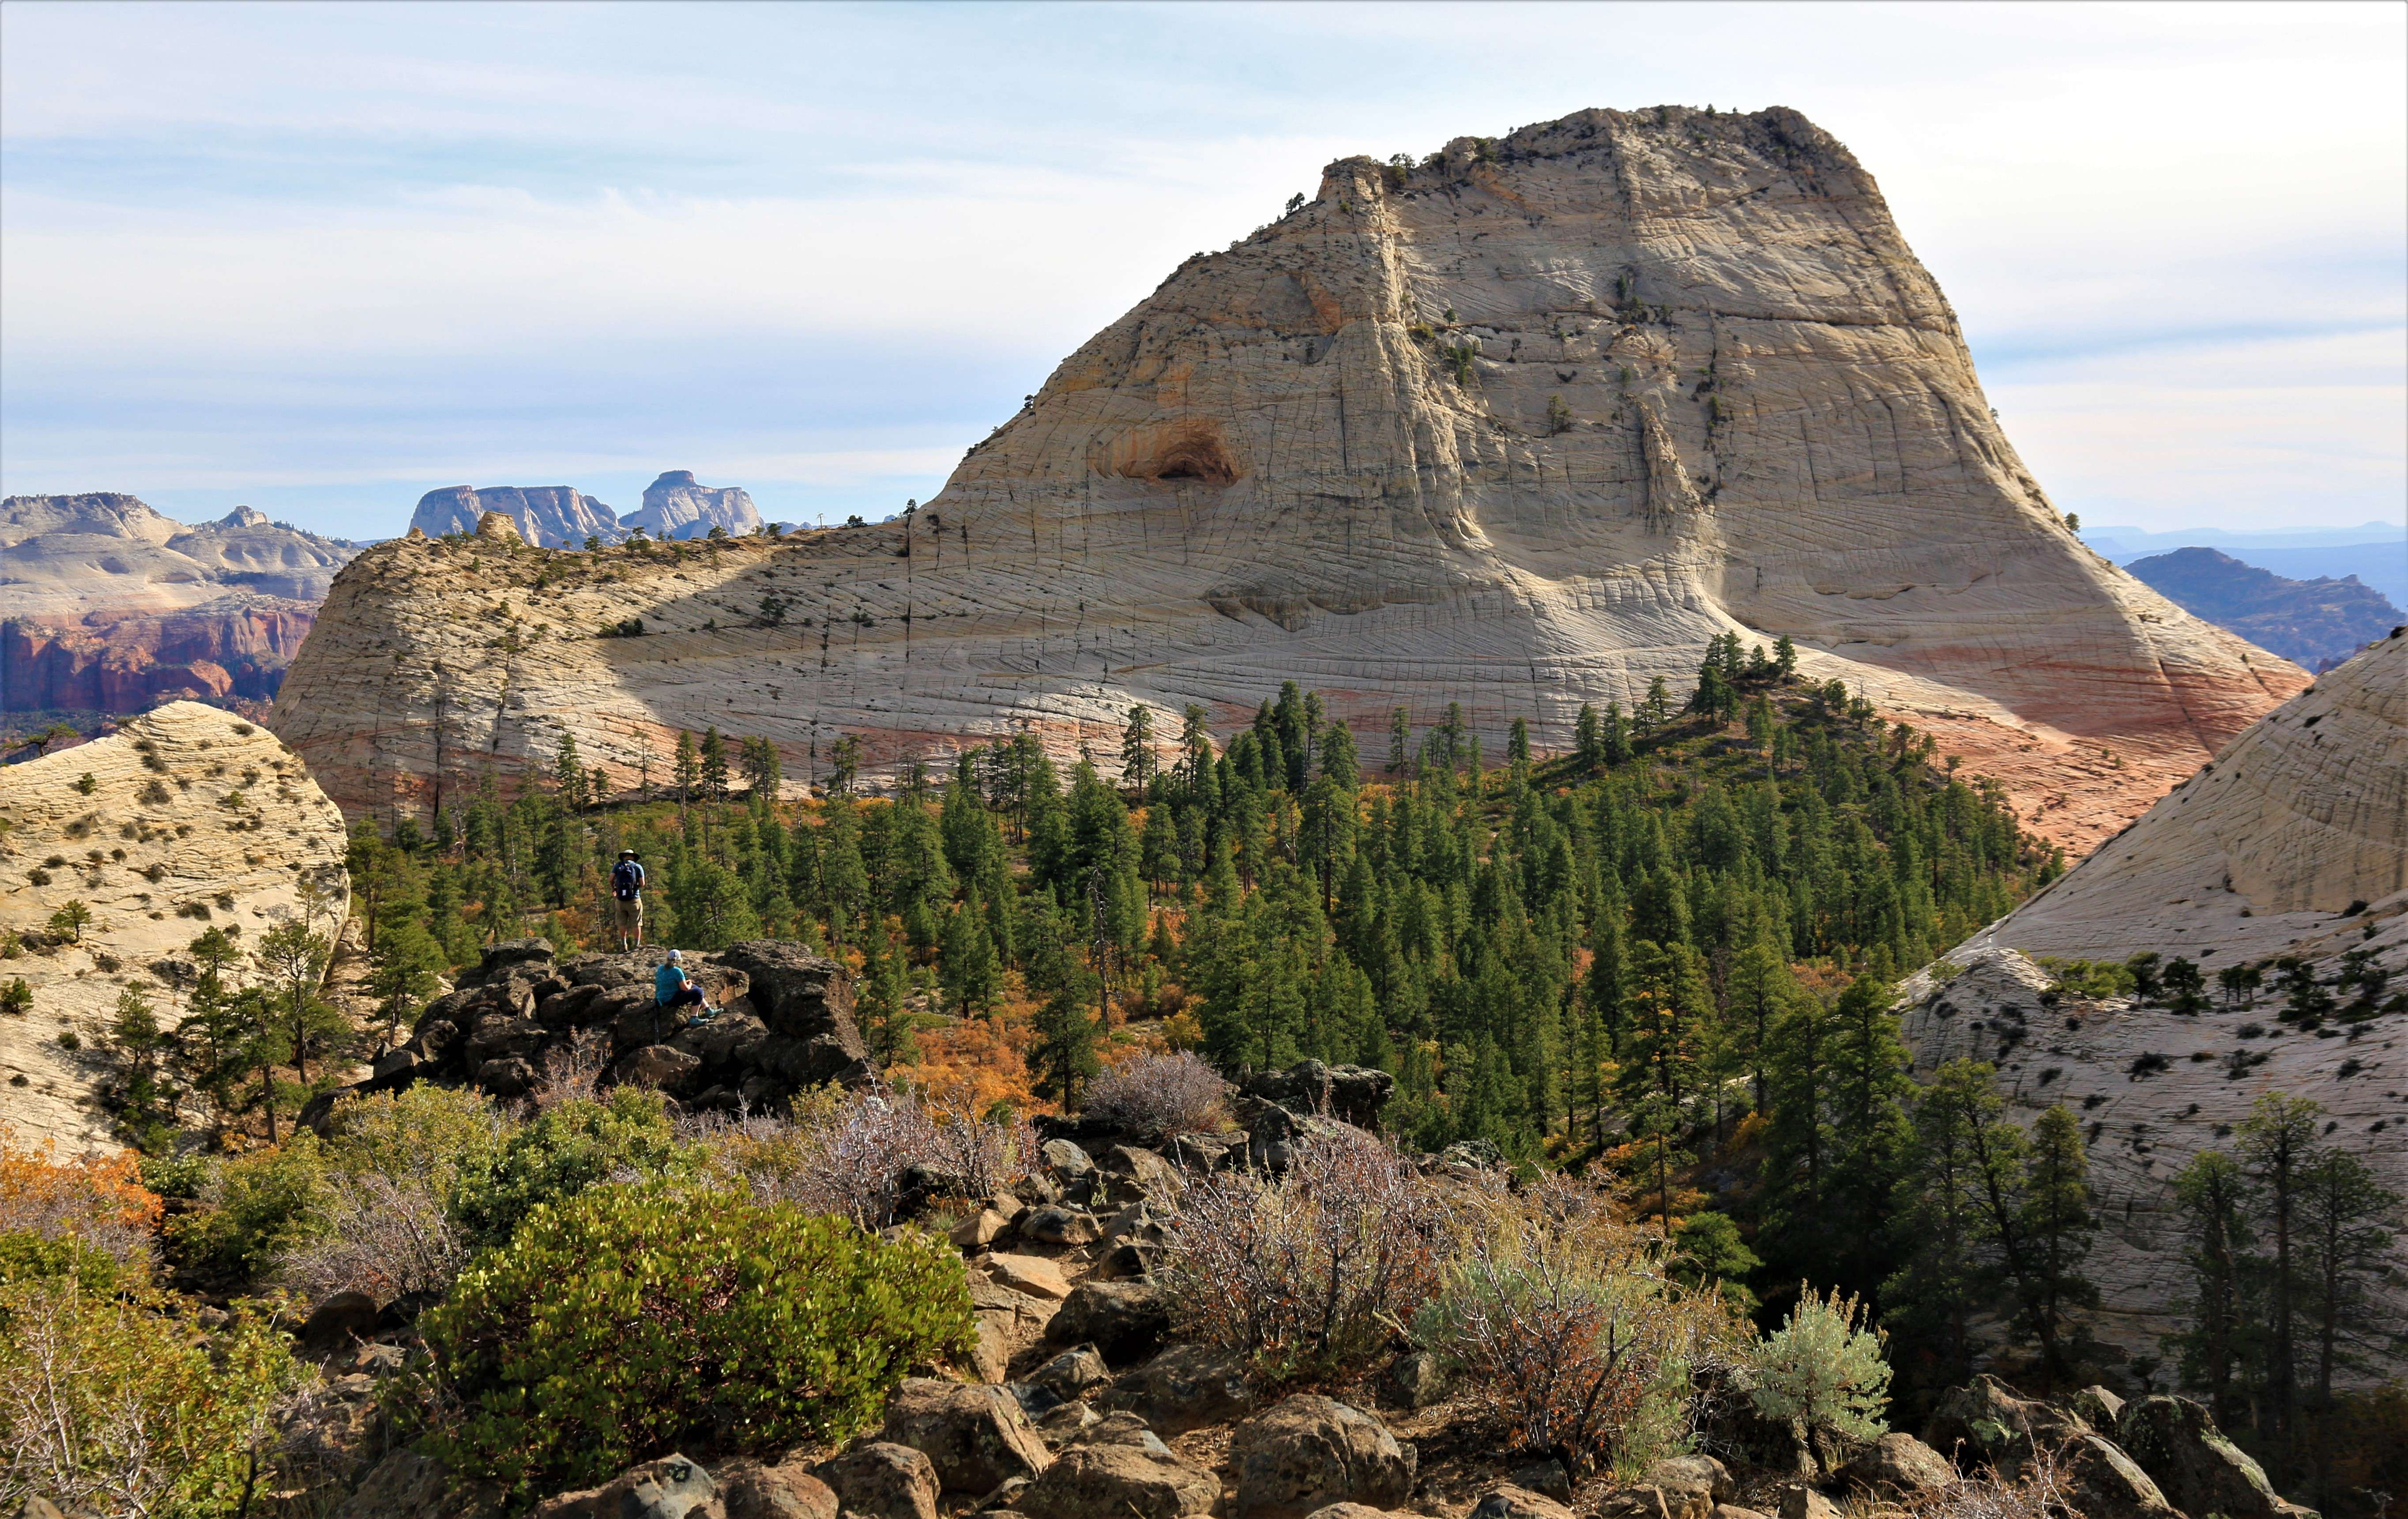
627, 915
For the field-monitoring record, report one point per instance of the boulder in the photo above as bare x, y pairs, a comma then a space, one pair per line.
2101, 1481
409, 1486
2097, 1406
658, 1065
1111, 1480
1058, 1226
980, 1230
1352, 1511
1897, 1465
339, 1324
1032, 1274
883, 1480
506, 1078
1799, 1501
671, 1487
1646, 1501
2201, 1471
1691, 1484
1010, 1324
1729, 1510
1985, 1424
1186, 1387
1073, 1374
1068, 1424
1125, 1320
1148, 1174
1506, 1500
780, 1492
1308, 1452
1350, 1094
1065, 1160
977, 1438
1206, 1152
1416, 1381
1548, 1477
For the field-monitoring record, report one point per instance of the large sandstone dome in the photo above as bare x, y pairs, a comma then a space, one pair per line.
1521, 428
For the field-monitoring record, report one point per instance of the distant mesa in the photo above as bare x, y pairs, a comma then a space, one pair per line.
107, 607
2317, 624
562, 517
677, 508
549, 516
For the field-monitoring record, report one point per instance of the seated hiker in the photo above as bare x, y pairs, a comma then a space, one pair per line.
673, 989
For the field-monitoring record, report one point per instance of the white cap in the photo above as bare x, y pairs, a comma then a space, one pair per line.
676, 957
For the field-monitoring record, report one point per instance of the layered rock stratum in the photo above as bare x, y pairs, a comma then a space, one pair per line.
677, 508
107, 606
557, 516
193, 818
2292, 841
1522, 427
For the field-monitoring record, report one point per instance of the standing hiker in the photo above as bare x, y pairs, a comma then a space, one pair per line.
627, 900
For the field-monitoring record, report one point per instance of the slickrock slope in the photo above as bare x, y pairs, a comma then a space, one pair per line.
677, 508
555, 516
107, 606
195, 818
2293, 840
1521, 428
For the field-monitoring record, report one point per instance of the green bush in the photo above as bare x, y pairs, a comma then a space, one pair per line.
570, 1147
637, 1317
29, 1256
442, 1136
1820, 1374
263, 1204
140, 1413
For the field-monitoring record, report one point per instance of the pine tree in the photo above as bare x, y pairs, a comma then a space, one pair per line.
887, 1021
2342, 1212
1400, 739
1136, 749
971, 976
1588, 739
2278, 1148
568, 774
687, 769
1949, 1267
2211, 1194
714, 764
2058, 1226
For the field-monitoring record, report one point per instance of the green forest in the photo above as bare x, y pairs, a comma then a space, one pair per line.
1666, 958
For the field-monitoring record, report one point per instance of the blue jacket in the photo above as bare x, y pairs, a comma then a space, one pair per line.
667, 982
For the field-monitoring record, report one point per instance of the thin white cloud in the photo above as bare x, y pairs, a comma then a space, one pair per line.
362, 246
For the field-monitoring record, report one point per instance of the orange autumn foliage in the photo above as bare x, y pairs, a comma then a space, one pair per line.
90, 1196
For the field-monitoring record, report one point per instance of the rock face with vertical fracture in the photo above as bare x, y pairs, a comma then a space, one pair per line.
1521, 428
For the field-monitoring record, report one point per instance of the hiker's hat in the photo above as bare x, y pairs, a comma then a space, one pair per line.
626, 854
676, 957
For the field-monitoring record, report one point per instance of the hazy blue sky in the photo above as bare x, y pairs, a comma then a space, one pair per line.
322, 259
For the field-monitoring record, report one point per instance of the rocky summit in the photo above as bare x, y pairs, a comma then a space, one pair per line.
677, 508
1520, 427
557, 516
108, 607
2292, 844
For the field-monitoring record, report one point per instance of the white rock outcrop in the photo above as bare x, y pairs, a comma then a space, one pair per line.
556, 516
677, 508
1521, 428
193, 818
2292, 841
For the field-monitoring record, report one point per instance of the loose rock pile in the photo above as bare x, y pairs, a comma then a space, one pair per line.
785, 1023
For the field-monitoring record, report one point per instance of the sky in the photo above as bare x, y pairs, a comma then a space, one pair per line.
322, 259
